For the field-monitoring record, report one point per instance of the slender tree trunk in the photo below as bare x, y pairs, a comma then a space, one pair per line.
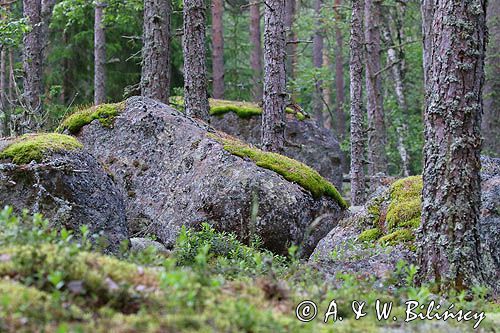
448, 249
356, 88
339, 73
377, 161
217, 49
291, 35
327, 93
11, 76
99, 55
33, 66
318, 45
195, 73
155, 78
3, 89
273, 118
397, 78
491, 118
256, 54
47, 9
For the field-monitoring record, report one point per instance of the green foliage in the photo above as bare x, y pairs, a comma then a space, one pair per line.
34, 147
290, 169
11, 29
105, 114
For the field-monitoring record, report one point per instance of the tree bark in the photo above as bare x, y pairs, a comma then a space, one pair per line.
217, 49
273, 118
155, 78
195, 72
358, 186
47, 9
33, 66
377, 161
3, 89
327, 93
256, 53
454, 50
99, 55
339, 73
318, 45
491, 118
291, 48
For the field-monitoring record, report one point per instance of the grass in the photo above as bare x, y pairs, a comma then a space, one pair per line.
290, 169
34, 147
105, 114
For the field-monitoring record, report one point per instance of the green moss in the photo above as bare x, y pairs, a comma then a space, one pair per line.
405, 207
398, 237
105, 113
370, 235
245, 110
290, 169
34, 147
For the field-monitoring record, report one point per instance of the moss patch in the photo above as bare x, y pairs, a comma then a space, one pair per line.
290, 169
34, 147
245, 110
398, 237
105, 113
405, 207
370, 235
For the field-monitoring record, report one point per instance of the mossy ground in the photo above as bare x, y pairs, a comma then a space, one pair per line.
34, 147
50, 282
290, 169
245, 110
105, 114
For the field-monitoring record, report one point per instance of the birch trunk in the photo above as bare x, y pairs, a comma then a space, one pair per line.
99, 55
155, 77
448, 250
273, 118
3, 89
318, 45
356, 90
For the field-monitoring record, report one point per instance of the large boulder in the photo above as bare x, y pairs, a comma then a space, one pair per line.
177, 171
305, 141
50, 174
374, 238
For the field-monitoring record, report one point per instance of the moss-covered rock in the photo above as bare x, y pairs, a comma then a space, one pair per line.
370, 235
290, 169
398, 237
34, 147
405, 203
245, 110
105, 114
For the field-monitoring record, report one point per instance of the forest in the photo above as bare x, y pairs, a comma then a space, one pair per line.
249, 166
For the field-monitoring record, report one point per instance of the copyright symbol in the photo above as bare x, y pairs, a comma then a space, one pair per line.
306, 311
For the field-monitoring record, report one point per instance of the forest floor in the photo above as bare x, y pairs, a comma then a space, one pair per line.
52, 282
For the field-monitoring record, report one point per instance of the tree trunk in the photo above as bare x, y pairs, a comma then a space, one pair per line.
339, 73
328, 123
291, 48
3, 89
155, 78
356, 91
256, 54
273, 118
448, 249
195, 71
491, 118
99, 55
318, 45
217, 49
33, 66
397, 78
377, 161
47, 9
